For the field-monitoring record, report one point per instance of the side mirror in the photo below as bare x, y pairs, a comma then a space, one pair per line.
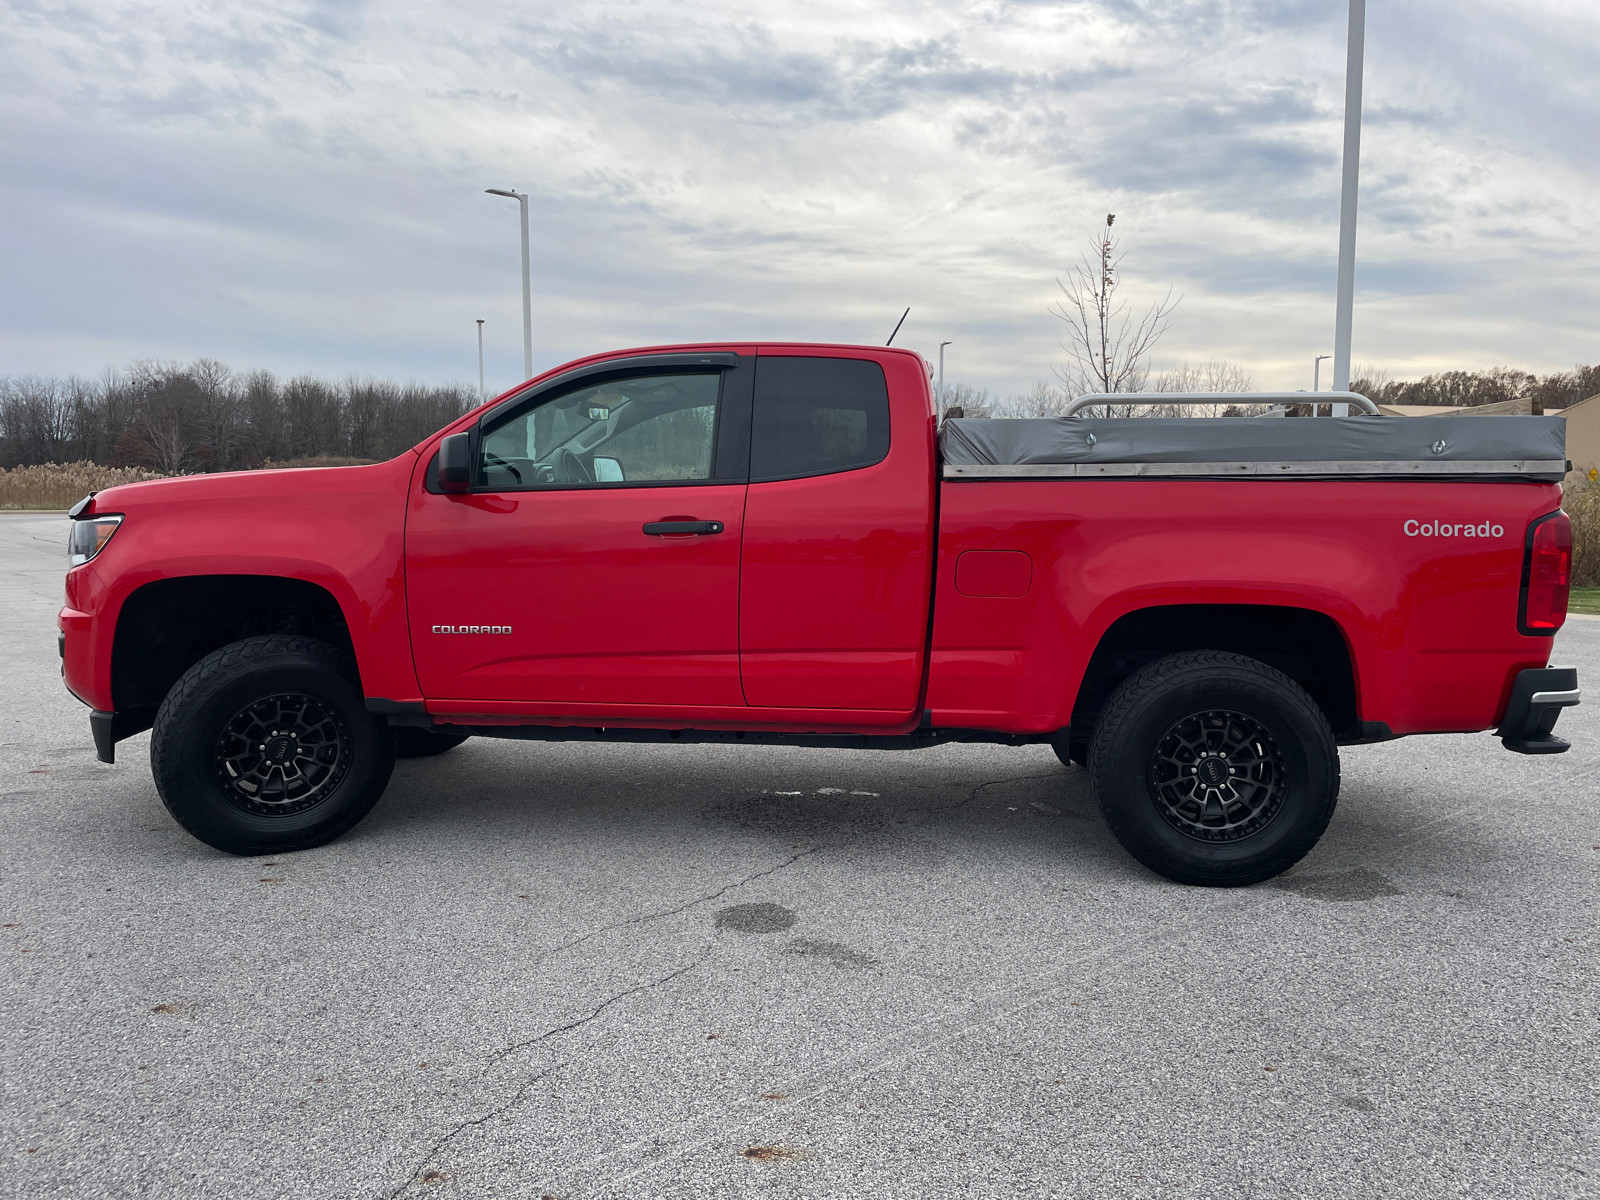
607, 470
455, 463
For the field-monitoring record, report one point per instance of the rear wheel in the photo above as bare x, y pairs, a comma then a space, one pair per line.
265, 746
1214, 769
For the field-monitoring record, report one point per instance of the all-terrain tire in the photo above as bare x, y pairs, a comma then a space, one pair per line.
410, 742
265, 746
1214, 769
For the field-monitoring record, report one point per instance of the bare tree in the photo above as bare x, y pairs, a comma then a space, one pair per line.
1108, 347
1041, 400
312, 412
962, 399
168, 401
217, 415
35, 419
1218, 375
264, 423
169, 445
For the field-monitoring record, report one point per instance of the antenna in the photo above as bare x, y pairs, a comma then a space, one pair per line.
897, 325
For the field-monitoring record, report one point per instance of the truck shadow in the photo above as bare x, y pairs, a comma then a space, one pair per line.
923, 803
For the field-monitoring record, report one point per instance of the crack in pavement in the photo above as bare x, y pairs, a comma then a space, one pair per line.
604, 1004
933, 1029
973, 794
668, 912
984, 1010
445, 1139
522, 1089
499, 1055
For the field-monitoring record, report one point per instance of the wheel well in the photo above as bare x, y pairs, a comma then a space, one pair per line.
166, 627
1306, 646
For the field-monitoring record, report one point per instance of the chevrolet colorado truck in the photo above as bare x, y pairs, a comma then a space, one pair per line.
780, 544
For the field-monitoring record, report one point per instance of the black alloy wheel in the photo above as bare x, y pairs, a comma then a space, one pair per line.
1214, 769
265, 746
283, 754
1218, 776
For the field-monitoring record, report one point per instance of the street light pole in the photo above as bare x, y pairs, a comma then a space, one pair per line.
942, 345
527, 282
1355, 52
481, 396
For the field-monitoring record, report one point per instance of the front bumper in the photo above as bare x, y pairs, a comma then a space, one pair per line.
109, 728
1537, 698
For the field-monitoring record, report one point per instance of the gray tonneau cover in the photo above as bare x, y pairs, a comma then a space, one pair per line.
1479, 448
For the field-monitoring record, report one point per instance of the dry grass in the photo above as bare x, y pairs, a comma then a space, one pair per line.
61, 485
1582, 502
321, 460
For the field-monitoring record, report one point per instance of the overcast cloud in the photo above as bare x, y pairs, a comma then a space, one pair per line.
300, 186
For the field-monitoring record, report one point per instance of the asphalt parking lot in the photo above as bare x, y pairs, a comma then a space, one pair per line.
628, 971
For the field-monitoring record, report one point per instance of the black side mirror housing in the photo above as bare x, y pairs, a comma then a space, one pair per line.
455, 463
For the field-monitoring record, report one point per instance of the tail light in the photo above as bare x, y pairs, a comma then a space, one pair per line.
1546, 574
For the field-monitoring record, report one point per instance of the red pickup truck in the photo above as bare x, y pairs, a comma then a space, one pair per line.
778, 544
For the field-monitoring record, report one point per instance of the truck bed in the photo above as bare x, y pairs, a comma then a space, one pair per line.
1477, 448
1352, 540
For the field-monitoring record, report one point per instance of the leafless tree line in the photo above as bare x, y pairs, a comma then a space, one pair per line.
1051, 399
203, 416
1556, 390
1472, 388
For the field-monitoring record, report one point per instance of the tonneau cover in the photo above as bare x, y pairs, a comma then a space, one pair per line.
1481, 448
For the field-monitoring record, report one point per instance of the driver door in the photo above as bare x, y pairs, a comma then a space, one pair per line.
595, 562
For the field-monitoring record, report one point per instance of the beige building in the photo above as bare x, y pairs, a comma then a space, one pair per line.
1583, 433
1418, 410
1582, 418
1506, 408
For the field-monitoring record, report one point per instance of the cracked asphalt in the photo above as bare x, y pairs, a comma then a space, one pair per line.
629, 971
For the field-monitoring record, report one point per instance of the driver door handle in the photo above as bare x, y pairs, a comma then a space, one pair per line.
668, 528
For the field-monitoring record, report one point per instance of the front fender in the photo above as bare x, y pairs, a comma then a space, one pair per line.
341, 529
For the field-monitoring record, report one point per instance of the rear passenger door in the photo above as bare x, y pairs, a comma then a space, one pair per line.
834, 578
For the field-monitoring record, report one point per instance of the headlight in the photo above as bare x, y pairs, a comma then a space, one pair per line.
89, 536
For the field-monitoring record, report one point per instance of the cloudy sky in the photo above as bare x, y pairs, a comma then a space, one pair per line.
300, 185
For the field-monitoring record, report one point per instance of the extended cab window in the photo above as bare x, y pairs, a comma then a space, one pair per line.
649, 429
816, 416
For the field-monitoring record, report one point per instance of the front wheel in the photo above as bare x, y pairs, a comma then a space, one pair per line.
1214, 769
265, 746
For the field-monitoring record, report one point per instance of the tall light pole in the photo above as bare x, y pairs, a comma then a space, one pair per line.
481, 396
942, 345
1347, 201
527, 282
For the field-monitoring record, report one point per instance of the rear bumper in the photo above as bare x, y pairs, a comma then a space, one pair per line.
1537, 698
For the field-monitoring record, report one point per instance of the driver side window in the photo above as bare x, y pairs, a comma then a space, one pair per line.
652, 429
